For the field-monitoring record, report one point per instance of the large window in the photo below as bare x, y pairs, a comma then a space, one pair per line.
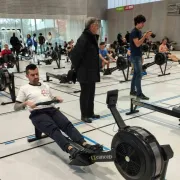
70, 27
7, 28
28, 27
117, 3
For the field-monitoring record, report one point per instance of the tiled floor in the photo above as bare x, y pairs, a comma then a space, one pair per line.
43, 160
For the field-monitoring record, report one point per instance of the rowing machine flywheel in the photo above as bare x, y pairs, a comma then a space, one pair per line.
138, 154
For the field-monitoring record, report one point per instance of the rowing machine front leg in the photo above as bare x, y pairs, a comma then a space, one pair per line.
132, 108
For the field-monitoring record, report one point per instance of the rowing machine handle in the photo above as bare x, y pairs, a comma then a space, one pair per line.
47, 102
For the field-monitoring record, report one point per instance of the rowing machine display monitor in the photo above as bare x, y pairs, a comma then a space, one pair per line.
112, 97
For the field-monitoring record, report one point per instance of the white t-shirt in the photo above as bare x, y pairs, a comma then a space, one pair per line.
36, 94
49, 38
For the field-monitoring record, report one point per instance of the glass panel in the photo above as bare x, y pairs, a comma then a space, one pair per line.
75, 27
40, 25
103, 32
8, 27
50, 27
60, 29
28, 27
117, 3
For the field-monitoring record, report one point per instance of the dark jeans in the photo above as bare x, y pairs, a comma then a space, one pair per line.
42, 48
87, 99
136, 80
50, 121
35, 49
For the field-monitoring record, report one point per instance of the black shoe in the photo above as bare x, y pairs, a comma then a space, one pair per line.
143, 97
133, 93
179, 61
95, 116
94, 148
73, 153
107, 72
87, 120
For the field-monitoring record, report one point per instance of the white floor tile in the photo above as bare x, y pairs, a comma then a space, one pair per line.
49, 162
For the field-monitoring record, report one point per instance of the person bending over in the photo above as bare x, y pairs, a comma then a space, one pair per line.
136, 41
163, 49
104, 55
48, 119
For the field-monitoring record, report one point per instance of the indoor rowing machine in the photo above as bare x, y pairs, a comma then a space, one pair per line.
135, 151
7, 81
135, 103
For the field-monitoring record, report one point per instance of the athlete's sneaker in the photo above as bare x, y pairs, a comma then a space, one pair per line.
97, 148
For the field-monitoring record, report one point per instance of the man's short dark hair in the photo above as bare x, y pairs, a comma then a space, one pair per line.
30, 67
102, 43
139, 19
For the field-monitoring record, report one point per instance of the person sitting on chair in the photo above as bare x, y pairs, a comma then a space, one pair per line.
104, 55
163, 49
48, 119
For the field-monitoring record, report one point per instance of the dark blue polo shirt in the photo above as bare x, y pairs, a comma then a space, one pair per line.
135, 51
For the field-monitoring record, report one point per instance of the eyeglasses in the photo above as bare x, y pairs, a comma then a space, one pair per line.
96, 24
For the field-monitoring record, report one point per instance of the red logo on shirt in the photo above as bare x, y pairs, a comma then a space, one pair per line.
45, 92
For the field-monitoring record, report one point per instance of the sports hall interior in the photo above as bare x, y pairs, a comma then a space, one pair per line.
65, 19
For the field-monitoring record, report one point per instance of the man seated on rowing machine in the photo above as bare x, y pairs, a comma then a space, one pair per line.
7, 57
104, 55
47, 119
163, 49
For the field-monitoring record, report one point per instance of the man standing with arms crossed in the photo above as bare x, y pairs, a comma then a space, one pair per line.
136, 40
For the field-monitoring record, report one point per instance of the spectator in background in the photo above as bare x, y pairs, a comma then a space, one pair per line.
41, 40
85, 60
35, 42
119, 38
14, 41
105, 56
49, 39
29, 43
127, 36
136, 41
